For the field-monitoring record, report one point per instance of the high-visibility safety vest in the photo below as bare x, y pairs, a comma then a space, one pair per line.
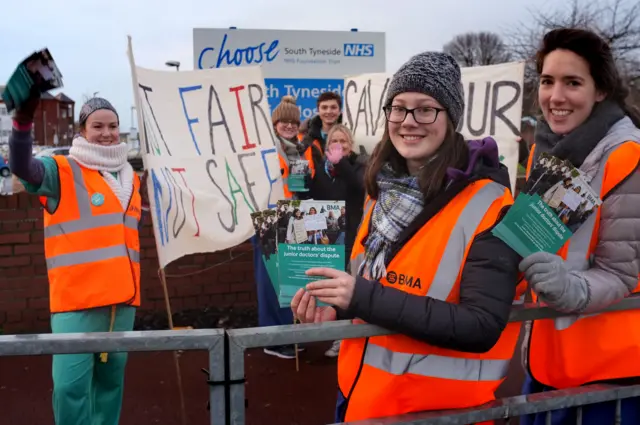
575, 350
395, 374
285, 170
92, 247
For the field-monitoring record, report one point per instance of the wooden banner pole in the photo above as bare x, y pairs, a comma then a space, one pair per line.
176, 356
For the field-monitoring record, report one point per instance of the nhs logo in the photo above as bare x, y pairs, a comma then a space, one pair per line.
356, 49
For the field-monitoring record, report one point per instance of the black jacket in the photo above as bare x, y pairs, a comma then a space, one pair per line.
348, 186
314, 132
487, 289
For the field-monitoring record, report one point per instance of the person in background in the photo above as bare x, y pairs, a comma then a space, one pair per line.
587, 122
424, 264
340, 177
286, 122
329, 113
92, 211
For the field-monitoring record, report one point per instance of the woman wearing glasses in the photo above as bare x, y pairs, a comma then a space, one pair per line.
424, 264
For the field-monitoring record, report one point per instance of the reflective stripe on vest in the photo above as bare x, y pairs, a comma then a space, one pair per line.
88, 221
579, 245
443, 282
435, 366
92, 244
357, 259
556, 347
92, 255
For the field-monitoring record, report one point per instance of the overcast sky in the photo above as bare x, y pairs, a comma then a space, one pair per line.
88, 39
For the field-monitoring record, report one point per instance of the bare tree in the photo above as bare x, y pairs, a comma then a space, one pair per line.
478, 48
617, 21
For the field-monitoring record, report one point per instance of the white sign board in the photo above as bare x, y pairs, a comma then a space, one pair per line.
209, 147
303, 64
493, 107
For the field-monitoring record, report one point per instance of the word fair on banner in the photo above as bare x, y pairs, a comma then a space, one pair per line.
209, 148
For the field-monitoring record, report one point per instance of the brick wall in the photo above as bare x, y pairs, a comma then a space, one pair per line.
24, 291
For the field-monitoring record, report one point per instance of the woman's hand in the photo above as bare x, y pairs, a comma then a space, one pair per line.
304, 308
336, 290
334, 153
24, 113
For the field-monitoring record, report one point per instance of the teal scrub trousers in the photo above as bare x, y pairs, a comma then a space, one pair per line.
87, 391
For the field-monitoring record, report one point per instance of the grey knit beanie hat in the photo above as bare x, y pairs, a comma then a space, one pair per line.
94, 104
435, 74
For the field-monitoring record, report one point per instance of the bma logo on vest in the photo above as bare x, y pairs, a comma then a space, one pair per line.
403, 280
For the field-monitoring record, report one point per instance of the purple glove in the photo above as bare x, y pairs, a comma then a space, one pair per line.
334, 154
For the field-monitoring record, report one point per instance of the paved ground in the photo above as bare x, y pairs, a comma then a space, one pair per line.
276, 393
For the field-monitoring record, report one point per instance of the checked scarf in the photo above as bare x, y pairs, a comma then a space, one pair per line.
400, 200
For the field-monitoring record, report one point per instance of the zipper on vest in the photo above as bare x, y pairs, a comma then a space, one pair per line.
355, 381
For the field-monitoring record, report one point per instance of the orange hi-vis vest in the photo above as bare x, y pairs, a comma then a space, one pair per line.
579, 349
395, 374
92, 247
307, 155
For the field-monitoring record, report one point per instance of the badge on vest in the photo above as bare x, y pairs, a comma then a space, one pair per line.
97, 199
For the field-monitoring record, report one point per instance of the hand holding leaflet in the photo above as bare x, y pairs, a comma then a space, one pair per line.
555, 202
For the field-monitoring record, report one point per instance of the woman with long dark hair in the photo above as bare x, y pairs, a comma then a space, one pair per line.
587, 122
424, 262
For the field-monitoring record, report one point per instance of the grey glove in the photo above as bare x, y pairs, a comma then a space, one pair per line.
555, 285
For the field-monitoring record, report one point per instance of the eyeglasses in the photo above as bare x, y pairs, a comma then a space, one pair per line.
290, 122
422, 115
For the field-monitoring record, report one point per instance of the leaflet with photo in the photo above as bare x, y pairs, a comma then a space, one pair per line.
555, 202
298, 170
311, 234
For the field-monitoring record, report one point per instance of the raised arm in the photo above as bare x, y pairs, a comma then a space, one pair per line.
21, 160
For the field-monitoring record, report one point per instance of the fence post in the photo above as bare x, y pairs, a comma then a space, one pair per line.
237, 378
217, 405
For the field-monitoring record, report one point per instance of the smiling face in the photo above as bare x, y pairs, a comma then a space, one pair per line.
329, 111
567, 91
287, 129
102, 128
414, 141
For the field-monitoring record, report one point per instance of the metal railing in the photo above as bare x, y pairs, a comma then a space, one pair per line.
211, 340
227, 372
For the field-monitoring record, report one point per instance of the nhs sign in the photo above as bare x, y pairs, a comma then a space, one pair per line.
353, 49
299, 63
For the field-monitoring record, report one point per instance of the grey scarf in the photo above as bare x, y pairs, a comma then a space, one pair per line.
576, 146
289, 150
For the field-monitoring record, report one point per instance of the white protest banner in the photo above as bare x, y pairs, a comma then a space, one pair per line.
493, 107
209, 147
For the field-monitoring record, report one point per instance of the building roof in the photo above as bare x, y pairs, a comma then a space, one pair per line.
46, 96
64, 98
